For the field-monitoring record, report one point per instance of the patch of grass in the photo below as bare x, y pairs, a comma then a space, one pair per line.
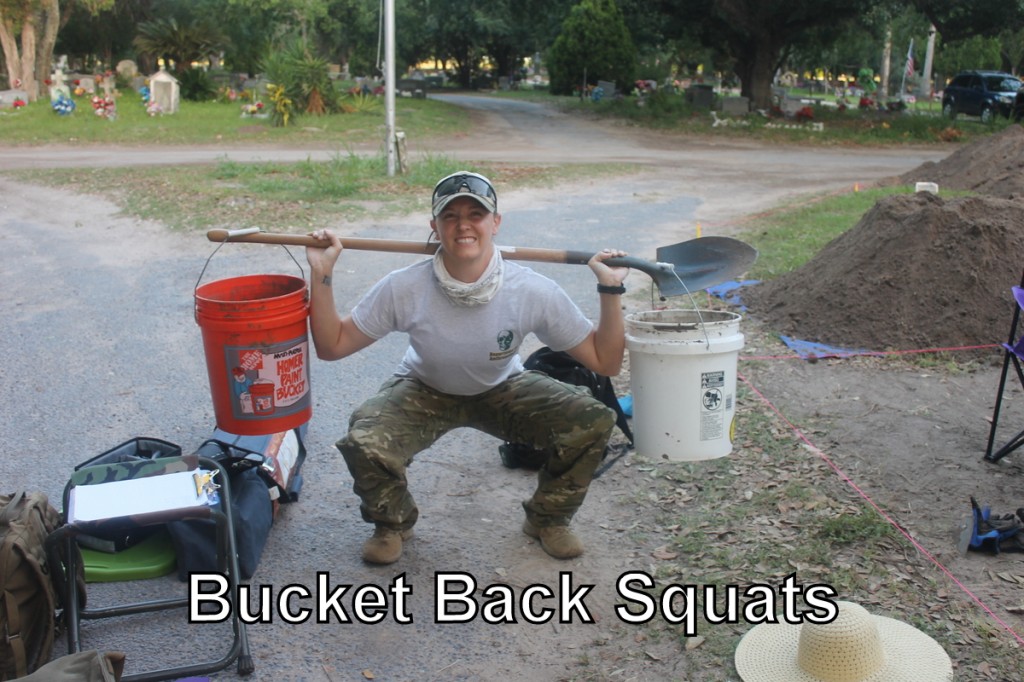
219, 123
671, 112
792, 234
289, 196
848, 529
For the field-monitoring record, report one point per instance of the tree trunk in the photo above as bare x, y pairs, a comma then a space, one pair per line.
756, 70
9, 42
49, 12
21, 64
28, 59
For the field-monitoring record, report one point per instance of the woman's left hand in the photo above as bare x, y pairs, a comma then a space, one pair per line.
608, 275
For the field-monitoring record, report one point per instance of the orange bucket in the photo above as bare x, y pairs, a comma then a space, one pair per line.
257, 352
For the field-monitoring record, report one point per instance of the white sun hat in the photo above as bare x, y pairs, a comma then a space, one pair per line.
856, 647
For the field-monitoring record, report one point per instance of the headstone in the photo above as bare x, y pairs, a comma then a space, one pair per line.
164, 92
735, 106
88, 84
58, 82
701, 96
127, 69
7, 98
108, 86
608, 87
504, 83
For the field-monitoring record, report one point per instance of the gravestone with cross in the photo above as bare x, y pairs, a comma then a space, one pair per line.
58, 81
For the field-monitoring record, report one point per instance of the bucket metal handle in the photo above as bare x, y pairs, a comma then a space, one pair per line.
678, 326
234, 233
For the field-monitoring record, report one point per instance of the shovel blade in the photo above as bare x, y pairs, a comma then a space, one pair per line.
701, 263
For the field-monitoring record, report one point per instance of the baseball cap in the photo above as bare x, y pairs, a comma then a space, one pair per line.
464, 184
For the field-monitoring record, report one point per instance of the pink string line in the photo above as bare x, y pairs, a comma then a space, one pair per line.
870, 353
814, 448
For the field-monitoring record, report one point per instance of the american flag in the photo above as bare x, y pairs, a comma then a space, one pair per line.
910, 60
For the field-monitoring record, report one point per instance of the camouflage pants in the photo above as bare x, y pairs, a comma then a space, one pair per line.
406, 417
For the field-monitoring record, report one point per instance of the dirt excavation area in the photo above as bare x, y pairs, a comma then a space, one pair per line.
905, 430
919, 270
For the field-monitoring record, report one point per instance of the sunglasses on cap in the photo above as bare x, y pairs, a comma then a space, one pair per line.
464, 184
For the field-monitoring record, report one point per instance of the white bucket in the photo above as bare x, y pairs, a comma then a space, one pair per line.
683, 377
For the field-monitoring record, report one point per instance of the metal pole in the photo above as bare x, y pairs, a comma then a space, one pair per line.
389, 83
883, 90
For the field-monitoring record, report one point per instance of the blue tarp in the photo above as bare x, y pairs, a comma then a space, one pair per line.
811, 350
730, 293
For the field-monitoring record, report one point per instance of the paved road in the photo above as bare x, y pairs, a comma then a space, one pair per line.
101, 347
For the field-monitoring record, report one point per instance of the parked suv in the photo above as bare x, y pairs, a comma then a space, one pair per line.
980, 93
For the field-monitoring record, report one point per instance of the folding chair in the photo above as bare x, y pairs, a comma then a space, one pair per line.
1014, 354
60, 546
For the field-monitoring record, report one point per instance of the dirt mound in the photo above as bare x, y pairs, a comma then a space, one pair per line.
916, 272
993, 166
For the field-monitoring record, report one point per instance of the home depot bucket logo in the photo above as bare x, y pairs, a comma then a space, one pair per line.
271, 381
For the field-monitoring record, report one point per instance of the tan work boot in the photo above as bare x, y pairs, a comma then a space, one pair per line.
385, 546
558, 541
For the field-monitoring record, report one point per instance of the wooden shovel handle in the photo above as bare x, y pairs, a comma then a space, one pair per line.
392, 245
357, 243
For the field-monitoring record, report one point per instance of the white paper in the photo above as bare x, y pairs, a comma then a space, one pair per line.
135, 496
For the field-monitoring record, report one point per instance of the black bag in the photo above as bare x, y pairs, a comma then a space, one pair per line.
195, 540
264, 472
562, 366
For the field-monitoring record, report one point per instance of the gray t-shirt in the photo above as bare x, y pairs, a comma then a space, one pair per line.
466, 351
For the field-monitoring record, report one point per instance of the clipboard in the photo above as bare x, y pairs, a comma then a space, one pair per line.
117, 499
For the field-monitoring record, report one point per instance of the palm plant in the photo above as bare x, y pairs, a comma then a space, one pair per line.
180, 43
304, 77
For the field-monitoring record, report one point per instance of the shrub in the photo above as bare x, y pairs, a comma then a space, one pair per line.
594, 41
196, 85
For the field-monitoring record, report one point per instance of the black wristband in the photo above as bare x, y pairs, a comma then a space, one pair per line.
605, 289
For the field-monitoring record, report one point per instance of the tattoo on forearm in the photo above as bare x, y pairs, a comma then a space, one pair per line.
326, 280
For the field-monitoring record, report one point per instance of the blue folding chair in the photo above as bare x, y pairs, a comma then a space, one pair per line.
1014, 354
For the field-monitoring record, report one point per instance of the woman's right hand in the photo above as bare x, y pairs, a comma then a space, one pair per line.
322, 259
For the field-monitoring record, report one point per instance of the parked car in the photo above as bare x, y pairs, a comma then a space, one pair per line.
981, 93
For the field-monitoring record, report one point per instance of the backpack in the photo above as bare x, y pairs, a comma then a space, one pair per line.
29, 601
564, 367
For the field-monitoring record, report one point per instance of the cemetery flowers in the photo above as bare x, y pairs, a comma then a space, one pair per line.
252, 109
62, 105
104, 107
283, 104
18, 103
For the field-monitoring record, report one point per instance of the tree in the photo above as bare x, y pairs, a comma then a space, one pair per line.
90, 40
28, 30
594, 43
759, 36
961, 19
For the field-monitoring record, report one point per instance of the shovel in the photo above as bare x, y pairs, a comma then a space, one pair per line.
680, 269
